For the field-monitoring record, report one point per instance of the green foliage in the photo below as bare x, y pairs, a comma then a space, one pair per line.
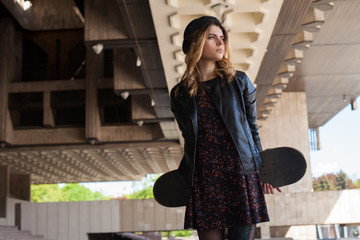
341, 180
358, 183
143, 188
323, 184
77, 192
183, 233
46, 193
70, 192
330, 182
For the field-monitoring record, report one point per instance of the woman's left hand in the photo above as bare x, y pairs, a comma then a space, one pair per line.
268, 189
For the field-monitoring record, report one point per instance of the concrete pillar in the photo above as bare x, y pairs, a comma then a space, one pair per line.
4, 189
20, 186
7, 66
94, 70
288, 126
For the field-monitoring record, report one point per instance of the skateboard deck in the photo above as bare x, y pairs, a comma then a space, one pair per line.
281, 166
170, 190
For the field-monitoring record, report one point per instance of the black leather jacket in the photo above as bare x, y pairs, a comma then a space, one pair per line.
237, 105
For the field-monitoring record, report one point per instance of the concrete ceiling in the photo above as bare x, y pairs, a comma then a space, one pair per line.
330, 69
117, 162
307, 45
249, 23
282, 45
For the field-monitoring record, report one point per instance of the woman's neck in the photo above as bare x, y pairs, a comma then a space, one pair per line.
207, 69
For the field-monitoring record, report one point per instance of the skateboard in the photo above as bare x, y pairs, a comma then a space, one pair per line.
170, 190
282, 166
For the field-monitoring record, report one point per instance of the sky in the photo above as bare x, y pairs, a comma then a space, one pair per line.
340, 145
340, 150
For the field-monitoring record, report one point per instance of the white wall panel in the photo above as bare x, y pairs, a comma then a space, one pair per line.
63, 228
149, 214
73, 220
41, 219
115, 215
105, 216
52, 220
126, 213
95, 217
84, 220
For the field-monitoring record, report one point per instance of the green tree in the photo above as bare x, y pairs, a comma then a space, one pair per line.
143, 188
322, 184
70, 192
341, 178
78, 192
46, 193
358, 183
331, 181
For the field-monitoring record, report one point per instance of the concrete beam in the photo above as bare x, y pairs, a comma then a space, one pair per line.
7, 64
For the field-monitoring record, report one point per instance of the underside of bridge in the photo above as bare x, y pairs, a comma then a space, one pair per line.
84, 84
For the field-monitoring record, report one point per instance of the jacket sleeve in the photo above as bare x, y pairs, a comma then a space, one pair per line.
249, 94
174, 105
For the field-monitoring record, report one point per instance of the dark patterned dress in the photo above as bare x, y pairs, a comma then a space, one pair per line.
222, 195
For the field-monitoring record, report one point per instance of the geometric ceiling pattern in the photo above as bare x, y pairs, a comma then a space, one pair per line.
84, 165
249, 23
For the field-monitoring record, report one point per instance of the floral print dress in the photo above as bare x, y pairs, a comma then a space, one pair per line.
222, 195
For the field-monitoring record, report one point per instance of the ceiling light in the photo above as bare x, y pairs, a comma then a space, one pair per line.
138, 62
125, 95
353, 104
26, 5
98, 48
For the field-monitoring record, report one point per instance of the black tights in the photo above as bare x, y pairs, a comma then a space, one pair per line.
235, 233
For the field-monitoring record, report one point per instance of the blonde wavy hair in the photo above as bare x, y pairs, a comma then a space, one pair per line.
224, 69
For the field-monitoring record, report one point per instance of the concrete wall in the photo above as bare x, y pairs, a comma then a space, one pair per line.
287, 126
73, 220
10, 212
325, 207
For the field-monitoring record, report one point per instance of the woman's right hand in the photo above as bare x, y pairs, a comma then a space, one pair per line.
269, 189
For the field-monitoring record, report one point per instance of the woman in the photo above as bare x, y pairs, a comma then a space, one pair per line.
215, 108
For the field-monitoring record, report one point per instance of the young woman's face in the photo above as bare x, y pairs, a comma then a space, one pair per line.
214, 45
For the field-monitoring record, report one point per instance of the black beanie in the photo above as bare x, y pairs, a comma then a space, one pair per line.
194, 25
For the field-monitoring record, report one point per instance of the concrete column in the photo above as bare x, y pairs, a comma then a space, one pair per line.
4, 189
7, 65
20, 186
94, 70
288, 126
